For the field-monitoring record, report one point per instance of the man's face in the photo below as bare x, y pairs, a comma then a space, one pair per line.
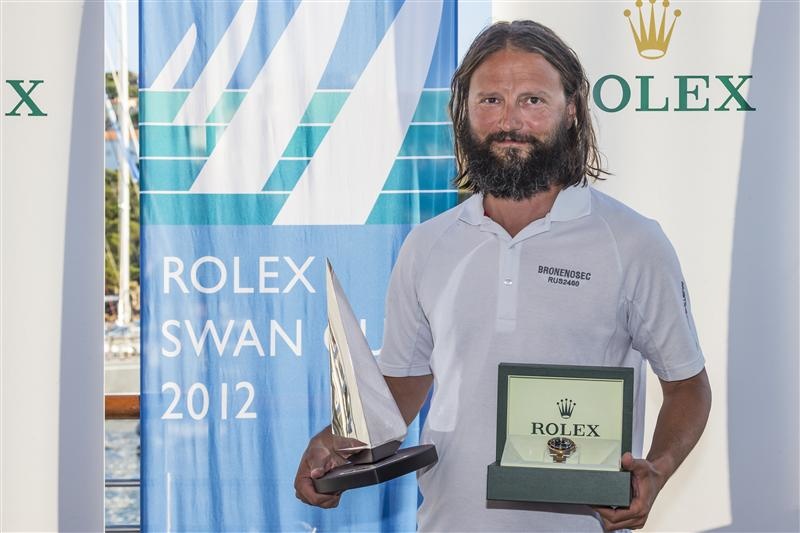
518, 125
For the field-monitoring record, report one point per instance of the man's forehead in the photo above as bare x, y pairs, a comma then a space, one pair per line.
512, 65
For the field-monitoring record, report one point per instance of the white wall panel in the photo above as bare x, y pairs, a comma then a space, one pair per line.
723, 185
51, 268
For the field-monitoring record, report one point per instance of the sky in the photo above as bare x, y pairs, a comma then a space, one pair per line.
112, 31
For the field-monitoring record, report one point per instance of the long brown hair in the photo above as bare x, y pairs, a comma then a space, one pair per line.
529, 36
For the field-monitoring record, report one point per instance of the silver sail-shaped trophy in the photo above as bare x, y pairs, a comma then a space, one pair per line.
366, 423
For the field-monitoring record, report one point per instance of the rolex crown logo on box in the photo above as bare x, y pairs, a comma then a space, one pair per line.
565, 407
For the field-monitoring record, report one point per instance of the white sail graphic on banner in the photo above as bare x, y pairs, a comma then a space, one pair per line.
338, 186
219, 69
262, 127
176, 63
341, 172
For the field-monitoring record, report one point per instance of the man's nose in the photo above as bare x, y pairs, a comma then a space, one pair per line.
510, 120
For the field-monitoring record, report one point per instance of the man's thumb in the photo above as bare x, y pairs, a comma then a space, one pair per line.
627, 461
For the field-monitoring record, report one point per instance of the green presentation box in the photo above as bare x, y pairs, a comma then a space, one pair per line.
561, 431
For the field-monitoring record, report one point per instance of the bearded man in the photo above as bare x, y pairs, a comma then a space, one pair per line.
478, 285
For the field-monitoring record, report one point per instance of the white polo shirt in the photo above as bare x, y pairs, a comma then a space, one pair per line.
586, 285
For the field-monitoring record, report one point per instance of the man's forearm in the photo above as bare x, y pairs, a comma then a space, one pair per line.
409, 393
681, 421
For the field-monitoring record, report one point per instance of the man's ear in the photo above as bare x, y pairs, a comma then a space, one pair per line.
571, 112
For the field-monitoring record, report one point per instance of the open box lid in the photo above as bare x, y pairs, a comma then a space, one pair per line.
580, 402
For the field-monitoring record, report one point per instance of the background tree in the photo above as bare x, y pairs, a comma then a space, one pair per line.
133, 85
112, 233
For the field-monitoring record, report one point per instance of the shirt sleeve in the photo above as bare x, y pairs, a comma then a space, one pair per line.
659, 311
407, 339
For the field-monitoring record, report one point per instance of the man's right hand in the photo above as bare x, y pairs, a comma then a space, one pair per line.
320, 457
317, 460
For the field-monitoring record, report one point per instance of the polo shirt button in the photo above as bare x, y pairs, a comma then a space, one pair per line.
507, 281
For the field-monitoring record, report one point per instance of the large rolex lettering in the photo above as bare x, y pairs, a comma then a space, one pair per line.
612, 93
564, 430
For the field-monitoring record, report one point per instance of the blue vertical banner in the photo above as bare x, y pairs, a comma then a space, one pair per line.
273, 135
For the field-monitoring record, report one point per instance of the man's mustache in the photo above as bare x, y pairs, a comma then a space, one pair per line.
500, 136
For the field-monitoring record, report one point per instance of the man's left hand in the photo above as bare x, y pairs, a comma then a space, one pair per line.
647, 481
680, 423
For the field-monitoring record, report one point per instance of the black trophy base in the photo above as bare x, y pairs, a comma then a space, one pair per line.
351, 476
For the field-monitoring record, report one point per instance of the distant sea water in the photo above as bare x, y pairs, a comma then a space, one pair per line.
122, 462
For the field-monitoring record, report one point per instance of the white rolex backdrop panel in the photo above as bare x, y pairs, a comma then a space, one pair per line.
51, 266
721, 178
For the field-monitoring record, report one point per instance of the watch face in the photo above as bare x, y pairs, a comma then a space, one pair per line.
560, 444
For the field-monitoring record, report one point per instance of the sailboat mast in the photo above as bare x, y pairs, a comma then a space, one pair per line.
124, 306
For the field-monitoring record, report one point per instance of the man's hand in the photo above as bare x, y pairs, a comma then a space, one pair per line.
681, 421
317, 460
647, 481
320, 456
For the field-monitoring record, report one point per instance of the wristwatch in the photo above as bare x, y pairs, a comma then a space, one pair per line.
560, 448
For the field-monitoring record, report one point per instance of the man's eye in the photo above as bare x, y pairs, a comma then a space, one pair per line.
491, 100
533, 100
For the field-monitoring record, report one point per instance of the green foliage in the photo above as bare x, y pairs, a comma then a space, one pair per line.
133, 85
112, 233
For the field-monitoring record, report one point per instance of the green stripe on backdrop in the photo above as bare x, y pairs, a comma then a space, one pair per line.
261, 209
420, 174
406, 174
324, 107
305, 141
163, 106
411, 208
160, 106
179, 141
169, 174
199, 141
211, 209
226, 107
285, 175
428, 140
179, 174
432, 107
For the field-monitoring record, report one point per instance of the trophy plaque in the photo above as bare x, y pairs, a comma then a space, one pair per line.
366, 423
561, 433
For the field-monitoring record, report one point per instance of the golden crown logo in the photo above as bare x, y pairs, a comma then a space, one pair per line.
652, 44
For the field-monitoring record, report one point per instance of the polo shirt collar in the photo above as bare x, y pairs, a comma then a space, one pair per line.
571, 203
472, 210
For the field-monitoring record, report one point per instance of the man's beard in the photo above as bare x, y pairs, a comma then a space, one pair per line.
515, 174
